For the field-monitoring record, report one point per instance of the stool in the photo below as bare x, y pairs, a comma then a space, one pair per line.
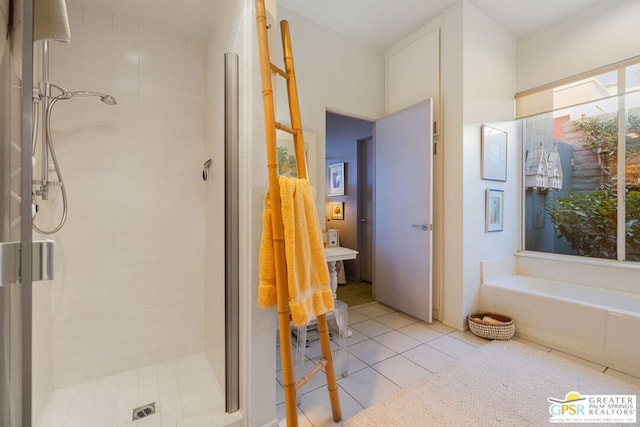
338, 331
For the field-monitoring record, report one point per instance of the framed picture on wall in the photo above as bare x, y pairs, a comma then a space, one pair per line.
494, 154
494, 214
336, 179
337, 210
287, 160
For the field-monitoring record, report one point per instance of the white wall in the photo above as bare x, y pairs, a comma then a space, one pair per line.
451, 69
333, 73
222, 39
129, 261
234, 30
489, 89
478, 85
413, 70
604, 34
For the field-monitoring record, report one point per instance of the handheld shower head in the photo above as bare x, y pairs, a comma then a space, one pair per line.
108, 99
104, 97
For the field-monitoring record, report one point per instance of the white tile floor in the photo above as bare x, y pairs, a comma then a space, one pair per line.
388, 350
185, 390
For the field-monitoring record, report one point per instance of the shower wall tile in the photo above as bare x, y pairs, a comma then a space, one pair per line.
126, 41
130, 260
151, 62
97, 46
127, 117
42, 367
67, 62
195, 66
175, 49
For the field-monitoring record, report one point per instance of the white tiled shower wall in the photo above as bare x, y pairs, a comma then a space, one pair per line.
130, 260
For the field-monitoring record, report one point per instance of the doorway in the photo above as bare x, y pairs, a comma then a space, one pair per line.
344, 138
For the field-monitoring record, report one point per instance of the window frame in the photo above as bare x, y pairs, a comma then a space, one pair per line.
534, 96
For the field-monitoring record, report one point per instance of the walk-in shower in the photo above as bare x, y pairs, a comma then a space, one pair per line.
44, 100
136, 313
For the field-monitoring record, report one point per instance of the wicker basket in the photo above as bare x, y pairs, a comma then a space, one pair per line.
503, 330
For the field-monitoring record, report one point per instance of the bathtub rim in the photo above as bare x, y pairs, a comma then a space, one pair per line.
543, 294
585, 271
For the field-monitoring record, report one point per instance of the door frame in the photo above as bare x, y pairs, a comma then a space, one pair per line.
26, 233
438, 229
359, 153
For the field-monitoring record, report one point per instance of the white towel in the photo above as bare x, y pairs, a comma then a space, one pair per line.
15, 38
50, 22
4, 25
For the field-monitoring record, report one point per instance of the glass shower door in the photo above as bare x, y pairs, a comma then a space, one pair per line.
10, 291
15, 232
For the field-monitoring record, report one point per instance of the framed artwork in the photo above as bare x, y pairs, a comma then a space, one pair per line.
494, 154
337, 210
336, 179
287, 159
333, 238
494, 210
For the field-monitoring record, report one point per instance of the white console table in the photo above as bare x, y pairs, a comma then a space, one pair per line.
334, 254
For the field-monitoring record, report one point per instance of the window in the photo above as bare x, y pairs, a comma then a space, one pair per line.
582, 196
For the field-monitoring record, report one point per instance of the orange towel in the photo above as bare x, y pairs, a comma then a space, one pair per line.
307, 272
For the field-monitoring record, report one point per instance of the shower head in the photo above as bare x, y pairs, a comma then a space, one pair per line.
106, 98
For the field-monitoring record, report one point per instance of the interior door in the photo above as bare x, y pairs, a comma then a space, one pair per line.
403, 210
365, 208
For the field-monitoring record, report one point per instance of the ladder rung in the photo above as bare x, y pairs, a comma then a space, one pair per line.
278, 70
305, 379
284, 128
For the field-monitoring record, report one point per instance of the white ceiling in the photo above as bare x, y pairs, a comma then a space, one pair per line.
378, 23
382, 23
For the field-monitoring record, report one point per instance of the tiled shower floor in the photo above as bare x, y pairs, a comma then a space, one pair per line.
185, 390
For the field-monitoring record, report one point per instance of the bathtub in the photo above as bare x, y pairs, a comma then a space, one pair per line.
599, 325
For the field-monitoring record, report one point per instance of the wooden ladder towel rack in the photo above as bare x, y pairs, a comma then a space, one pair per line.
270, 125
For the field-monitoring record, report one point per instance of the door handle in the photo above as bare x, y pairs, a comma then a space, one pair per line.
363, 219
423, 227
42, 259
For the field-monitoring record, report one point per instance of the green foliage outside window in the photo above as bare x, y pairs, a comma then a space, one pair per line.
588, 222
601, 136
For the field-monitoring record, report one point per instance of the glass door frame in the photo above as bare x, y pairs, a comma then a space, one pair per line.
26, 235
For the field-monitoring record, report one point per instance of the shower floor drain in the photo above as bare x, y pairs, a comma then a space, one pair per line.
144, 411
